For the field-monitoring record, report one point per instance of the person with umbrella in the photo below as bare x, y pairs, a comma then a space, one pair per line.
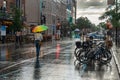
77, 33
38, 37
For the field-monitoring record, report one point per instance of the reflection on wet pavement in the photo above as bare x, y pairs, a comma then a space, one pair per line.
62, 68
10, 53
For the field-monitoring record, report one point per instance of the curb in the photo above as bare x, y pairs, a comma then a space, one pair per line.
116, 60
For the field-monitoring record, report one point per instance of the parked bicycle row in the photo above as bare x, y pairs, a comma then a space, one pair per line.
90, 51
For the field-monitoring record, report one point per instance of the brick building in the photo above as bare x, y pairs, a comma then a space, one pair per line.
9, 4
49, 12
53, 11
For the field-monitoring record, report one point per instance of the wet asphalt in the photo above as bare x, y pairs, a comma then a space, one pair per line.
56, 62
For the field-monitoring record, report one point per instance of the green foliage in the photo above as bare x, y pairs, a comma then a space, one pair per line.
83, 22
113, 16
17, 22
2, 14
94, 27
73, 26
102, 24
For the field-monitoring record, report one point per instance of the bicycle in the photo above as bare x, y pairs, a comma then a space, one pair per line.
100, 53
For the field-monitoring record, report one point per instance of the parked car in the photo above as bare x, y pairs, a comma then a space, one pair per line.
95, 35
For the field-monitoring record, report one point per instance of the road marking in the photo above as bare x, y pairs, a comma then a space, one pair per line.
16, 64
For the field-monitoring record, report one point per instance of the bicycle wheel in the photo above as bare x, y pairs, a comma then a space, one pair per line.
83, 58
106, 57
76, 52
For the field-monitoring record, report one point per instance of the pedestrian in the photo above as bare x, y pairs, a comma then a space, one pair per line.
18, 37
3, 33
108, 43
109, 29
38, 38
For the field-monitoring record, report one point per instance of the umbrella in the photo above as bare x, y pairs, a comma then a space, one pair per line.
76, 29
39, 28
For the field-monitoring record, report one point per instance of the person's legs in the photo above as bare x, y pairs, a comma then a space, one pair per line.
3, 39
19, 40
109, 33
16, 39
37, 48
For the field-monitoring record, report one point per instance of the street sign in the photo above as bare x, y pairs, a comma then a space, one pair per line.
3, 28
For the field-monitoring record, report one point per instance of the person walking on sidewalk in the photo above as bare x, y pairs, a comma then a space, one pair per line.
109, 29
3, 33
18, 38
38, 38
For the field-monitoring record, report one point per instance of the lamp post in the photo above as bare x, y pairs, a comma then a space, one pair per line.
4, 4
4, 8
116, 22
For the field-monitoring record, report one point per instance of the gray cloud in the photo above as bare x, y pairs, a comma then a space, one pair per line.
89, 3
91, 9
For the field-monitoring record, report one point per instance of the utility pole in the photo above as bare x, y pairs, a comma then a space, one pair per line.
116, 22
75, 10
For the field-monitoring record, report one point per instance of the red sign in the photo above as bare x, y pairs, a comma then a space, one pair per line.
110, 2
109, 25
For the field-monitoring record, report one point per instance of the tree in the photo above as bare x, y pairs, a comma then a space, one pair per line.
73, 26
83, 22
17, 22
102, 24
112, 15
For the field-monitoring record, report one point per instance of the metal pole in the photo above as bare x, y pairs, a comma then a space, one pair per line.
41, 1
75, 10
4, 8
116, 22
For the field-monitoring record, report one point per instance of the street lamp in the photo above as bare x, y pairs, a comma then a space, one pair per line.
4, 4
4, 8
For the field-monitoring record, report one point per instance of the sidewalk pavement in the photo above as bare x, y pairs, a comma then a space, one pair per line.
116, 55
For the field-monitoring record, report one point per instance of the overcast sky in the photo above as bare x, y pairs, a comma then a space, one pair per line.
91, 9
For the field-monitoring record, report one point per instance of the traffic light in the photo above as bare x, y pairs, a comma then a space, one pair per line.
70, 19
43, 19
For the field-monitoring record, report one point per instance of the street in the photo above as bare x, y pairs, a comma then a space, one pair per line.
56, 63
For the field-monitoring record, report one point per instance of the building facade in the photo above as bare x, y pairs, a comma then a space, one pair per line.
9, 4
49, 12
32, 12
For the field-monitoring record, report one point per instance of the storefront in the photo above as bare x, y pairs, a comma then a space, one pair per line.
7, 23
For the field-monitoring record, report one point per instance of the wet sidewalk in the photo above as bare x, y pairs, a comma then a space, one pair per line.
24, 52
116, 54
